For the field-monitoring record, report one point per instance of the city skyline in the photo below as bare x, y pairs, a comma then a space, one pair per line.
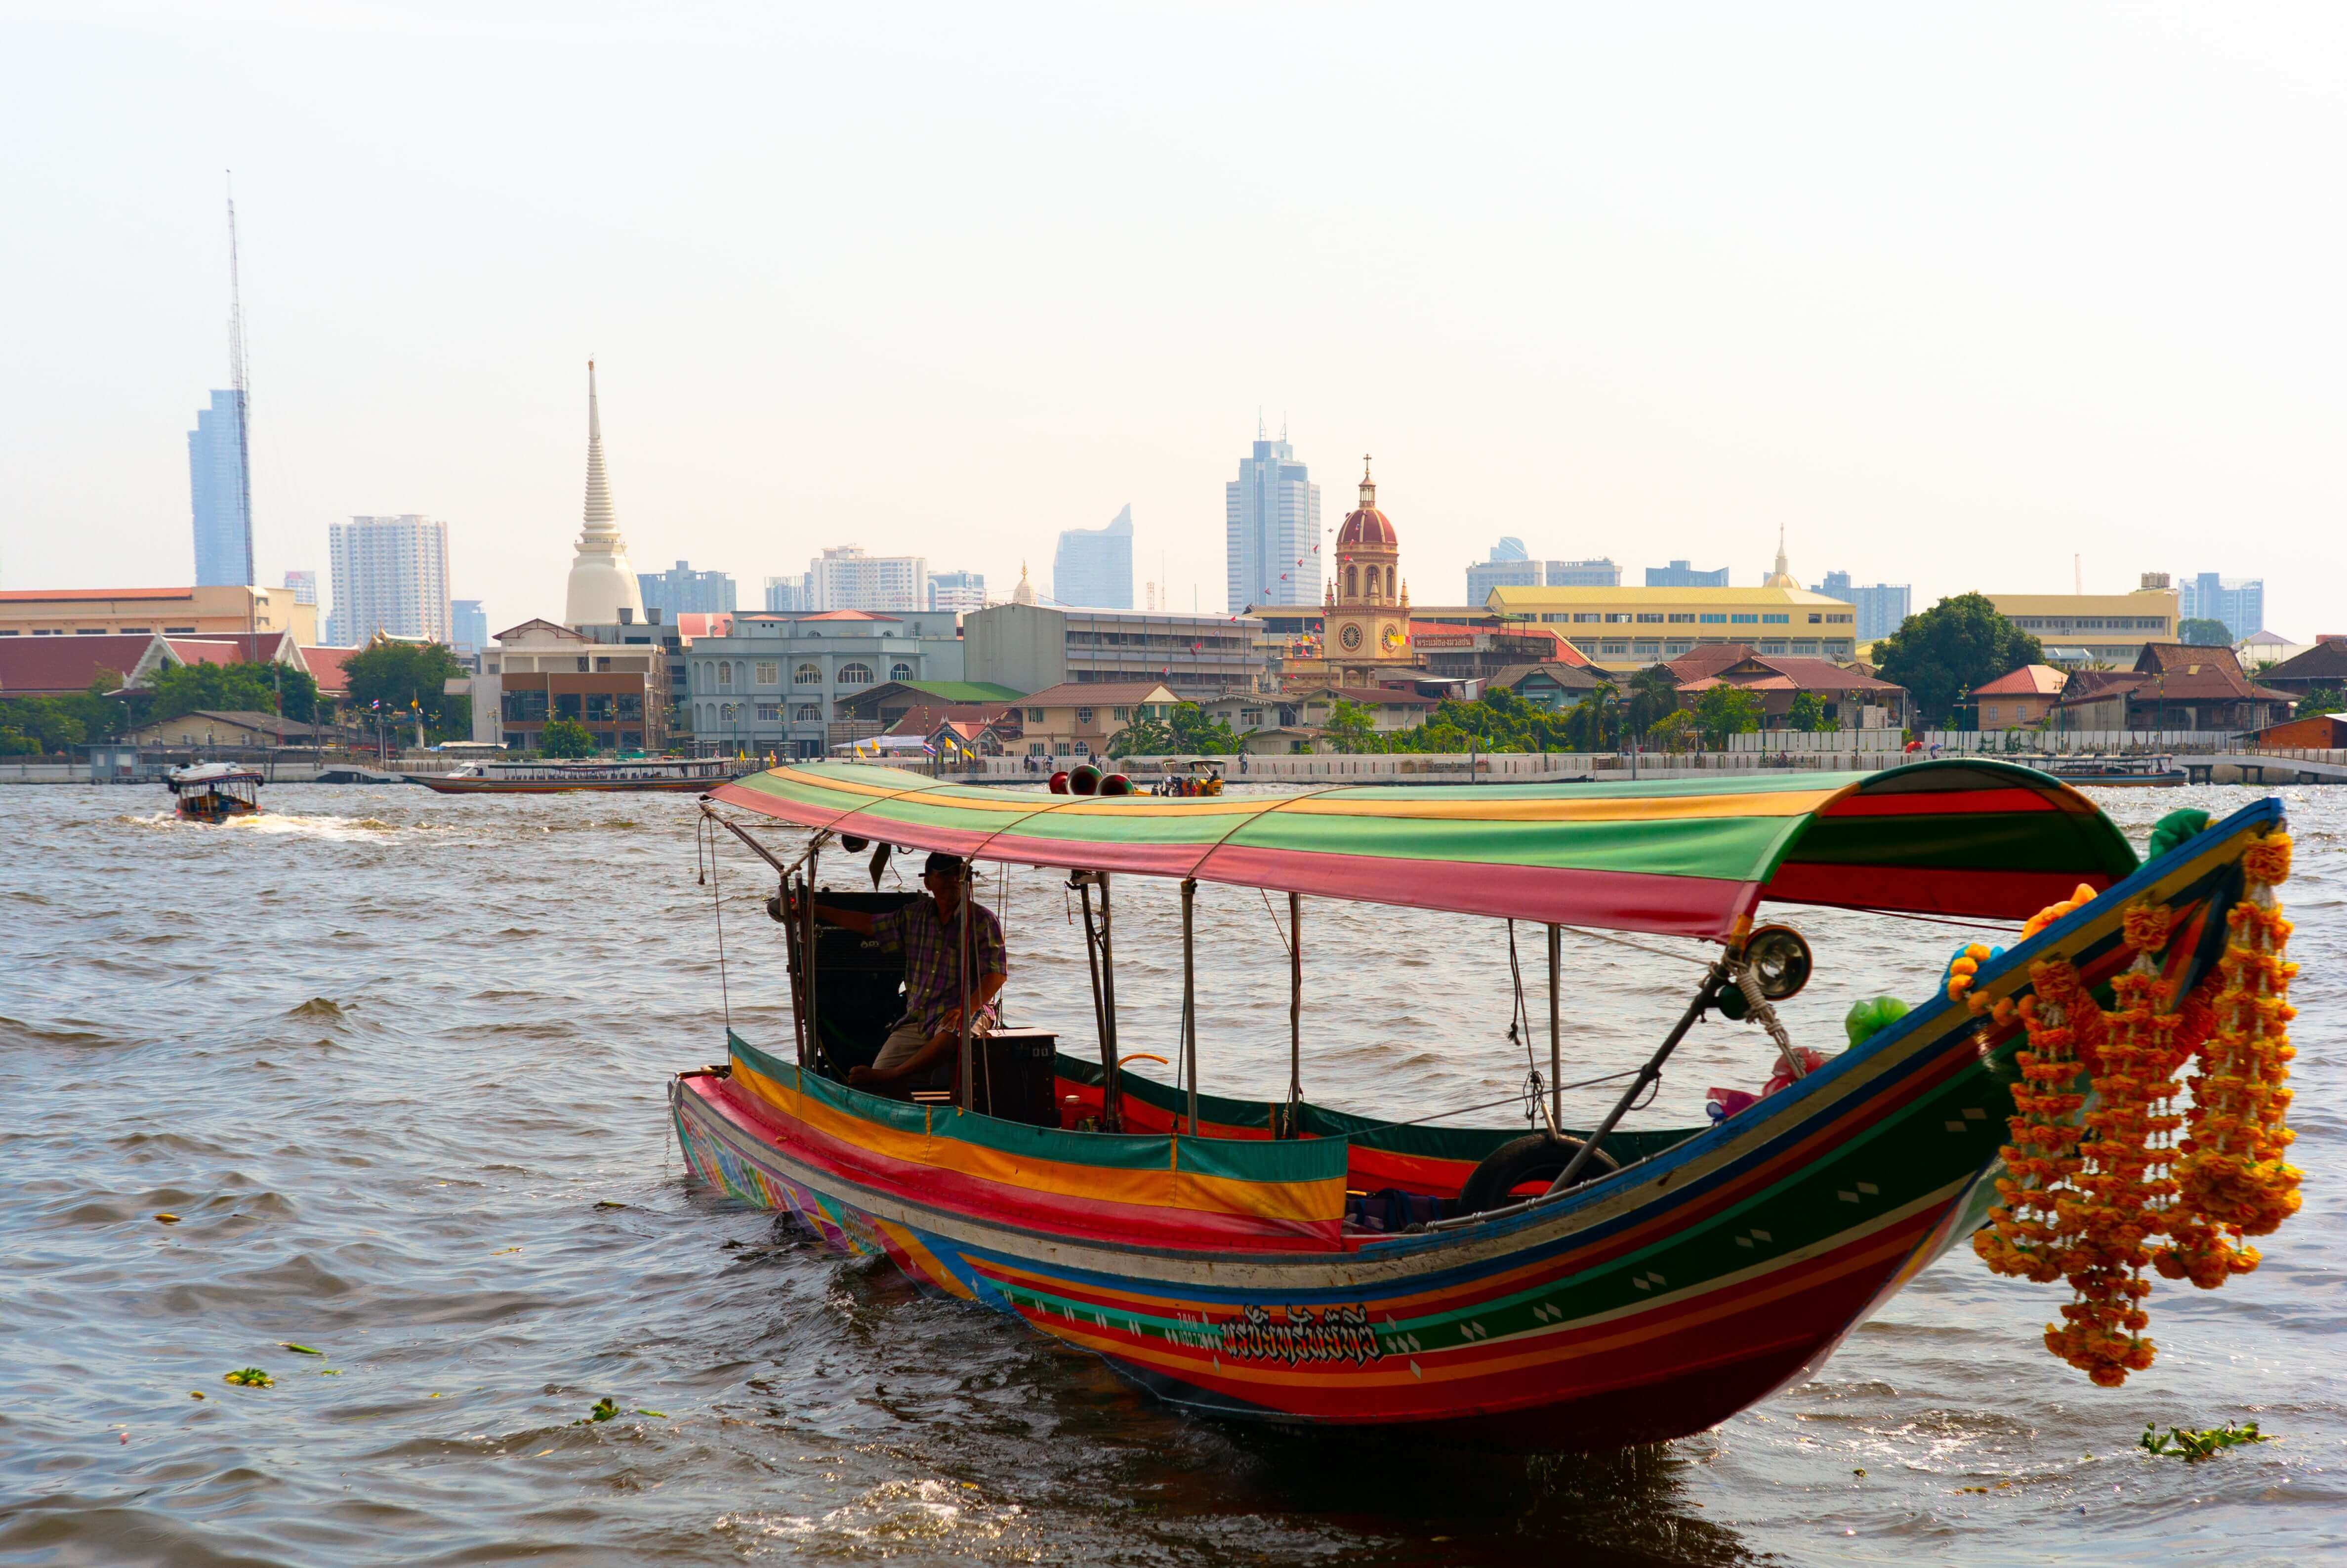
1922, 349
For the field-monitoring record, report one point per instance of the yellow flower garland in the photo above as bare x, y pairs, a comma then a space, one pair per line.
2085, 1196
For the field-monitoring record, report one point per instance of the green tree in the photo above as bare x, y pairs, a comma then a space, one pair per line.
1808, 712
2202, 633
1674, 731
1195, 730
2321, 701
1724, 711
1654, 692
399, 673
1144, 737
1350, 728
1942, 652
247, 688
566, 738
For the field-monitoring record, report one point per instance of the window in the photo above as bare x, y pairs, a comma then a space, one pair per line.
1038, 749
602, 666
1745, 619
725, 676
900, 671
1617, 617
1815, 619
1710, 619
525, 707
1988, 714
1644, 616
1581, 615
1776, 619
179, 631
770, 712
1082, 750
566, 705
807, 675
725, 714
1123, 713
1083, 716
1837, 620
856, 674
806, 713
599, 707
769, 673
1676, 616
582, 664
1034, 715
632, 707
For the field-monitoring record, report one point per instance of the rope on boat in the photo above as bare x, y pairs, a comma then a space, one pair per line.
1511, 1100
717, 902
1520, 1027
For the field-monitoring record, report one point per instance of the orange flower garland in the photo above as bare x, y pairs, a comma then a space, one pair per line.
2086, 1195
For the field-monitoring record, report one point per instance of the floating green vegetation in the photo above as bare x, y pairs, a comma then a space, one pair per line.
603, 1411
300, 1349
2194, 1447
249, 1377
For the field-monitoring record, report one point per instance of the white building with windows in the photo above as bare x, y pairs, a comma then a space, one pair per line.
774, 682
390, 574
844, 577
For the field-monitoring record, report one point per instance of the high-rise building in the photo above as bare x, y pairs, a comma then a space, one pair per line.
305, 585
1271, 515
1093, 567
1597, 572
220, 487
844, 577
468, 627
2238, 601
1509, 565
960, 591
602, 583
1679, 574
1882, 608
785, 594
390, 574
685, 591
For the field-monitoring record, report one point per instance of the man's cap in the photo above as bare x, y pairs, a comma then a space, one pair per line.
940, 861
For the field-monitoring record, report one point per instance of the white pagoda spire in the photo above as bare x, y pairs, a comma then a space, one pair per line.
602, 584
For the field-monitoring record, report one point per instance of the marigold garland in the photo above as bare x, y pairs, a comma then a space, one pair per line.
2087, 1192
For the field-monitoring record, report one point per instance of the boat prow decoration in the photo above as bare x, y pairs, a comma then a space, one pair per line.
1290, 1263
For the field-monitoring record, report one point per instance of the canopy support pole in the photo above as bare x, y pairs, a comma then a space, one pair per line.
1555, 1032
1190, 994
807, 945
1295, 1013
1099, 960
961, 966
1719, 971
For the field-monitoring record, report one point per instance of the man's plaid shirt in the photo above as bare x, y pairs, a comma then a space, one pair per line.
932, 983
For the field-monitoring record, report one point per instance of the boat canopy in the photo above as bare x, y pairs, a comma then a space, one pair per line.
1678, 856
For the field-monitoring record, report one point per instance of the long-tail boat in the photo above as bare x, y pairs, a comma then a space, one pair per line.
1293, 1263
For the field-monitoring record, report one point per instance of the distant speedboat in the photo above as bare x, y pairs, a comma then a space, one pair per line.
557, 777
215, 792
2157, 773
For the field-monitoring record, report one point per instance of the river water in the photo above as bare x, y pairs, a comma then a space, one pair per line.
397, 1062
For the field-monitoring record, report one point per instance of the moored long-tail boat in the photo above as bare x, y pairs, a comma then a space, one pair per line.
1221, 1252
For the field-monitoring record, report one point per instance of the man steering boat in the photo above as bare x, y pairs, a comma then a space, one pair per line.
922, 1049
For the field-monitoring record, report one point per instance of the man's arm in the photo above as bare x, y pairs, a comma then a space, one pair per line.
947, 1038
857, 920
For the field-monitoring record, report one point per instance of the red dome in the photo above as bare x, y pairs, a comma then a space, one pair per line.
1366, 530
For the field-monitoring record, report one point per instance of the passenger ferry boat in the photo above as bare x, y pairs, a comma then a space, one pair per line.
2139, 772
1578, 1287
557, 777
215, 792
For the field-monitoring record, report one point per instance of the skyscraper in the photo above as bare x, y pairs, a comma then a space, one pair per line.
790, 593
1882, 608
2238, 601
960, 591
1271, 529
1679, 574
685, 591
1093, 567
469, 626
1598, 572
390, 574
305, 585
844, 577
220, 488
1509, 566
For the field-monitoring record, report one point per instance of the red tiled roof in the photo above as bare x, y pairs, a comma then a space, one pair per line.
2325, 662
703, 623
58, 666
325, 666
1709, 659
2029, 680
845, 615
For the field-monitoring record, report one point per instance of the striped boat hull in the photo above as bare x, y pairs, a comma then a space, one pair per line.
1646, 1305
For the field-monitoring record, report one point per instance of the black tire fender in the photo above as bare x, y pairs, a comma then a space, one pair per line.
1535, 1157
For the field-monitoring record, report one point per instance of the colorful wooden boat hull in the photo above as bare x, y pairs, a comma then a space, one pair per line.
1646, 1305
440, 784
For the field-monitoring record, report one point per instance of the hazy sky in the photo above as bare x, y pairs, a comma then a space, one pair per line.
1950, 292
